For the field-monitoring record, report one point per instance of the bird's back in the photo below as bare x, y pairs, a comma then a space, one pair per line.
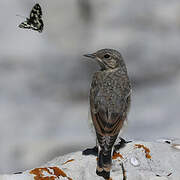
110, 99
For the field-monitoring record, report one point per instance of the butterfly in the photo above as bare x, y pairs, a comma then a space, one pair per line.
35, 21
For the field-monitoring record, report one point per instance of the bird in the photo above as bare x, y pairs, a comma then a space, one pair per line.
110, 99
35, 21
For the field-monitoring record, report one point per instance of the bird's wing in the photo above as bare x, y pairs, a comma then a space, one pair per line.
108, 112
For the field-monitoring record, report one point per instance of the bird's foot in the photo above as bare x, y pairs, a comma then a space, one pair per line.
120, 145
91, 151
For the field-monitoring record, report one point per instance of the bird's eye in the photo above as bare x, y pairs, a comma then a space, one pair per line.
106, 56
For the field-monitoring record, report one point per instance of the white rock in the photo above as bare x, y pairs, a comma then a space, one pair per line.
134, 161
141, 160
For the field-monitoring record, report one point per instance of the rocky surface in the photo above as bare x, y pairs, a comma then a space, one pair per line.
137, 160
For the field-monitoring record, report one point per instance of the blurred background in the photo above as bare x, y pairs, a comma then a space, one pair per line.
44, 79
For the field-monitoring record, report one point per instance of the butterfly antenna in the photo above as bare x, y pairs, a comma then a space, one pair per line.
20, 16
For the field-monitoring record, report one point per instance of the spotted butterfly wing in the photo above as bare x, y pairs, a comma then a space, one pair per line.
35, 21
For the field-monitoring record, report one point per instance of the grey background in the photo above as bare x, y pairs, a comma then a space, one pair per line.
44, 80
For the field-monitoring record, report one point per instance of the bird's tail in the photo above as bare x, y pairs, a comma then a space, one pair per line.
104, 160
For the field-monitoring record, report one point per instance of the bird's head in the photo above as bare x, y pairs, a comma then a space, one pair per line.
107, 58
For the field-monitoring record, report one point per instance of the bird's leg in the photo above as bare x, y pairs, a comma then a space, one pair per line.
120, 145
123, 172
91, 151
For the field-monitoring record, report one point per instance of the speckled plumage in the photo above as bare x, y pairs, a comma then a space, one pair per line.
109, 103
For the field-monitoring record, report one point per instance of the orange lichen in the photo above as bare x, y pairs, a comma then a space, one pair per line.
147, 151
58, 172
68, 161
38, 172
116, 155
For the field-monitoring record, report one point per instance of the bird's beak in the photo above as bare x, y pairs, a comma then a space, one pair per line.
93, 56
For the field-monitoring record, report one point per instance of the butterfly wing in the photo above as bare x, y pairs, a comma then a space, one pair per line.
37, 26
36, 12
25, 24
35, 21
